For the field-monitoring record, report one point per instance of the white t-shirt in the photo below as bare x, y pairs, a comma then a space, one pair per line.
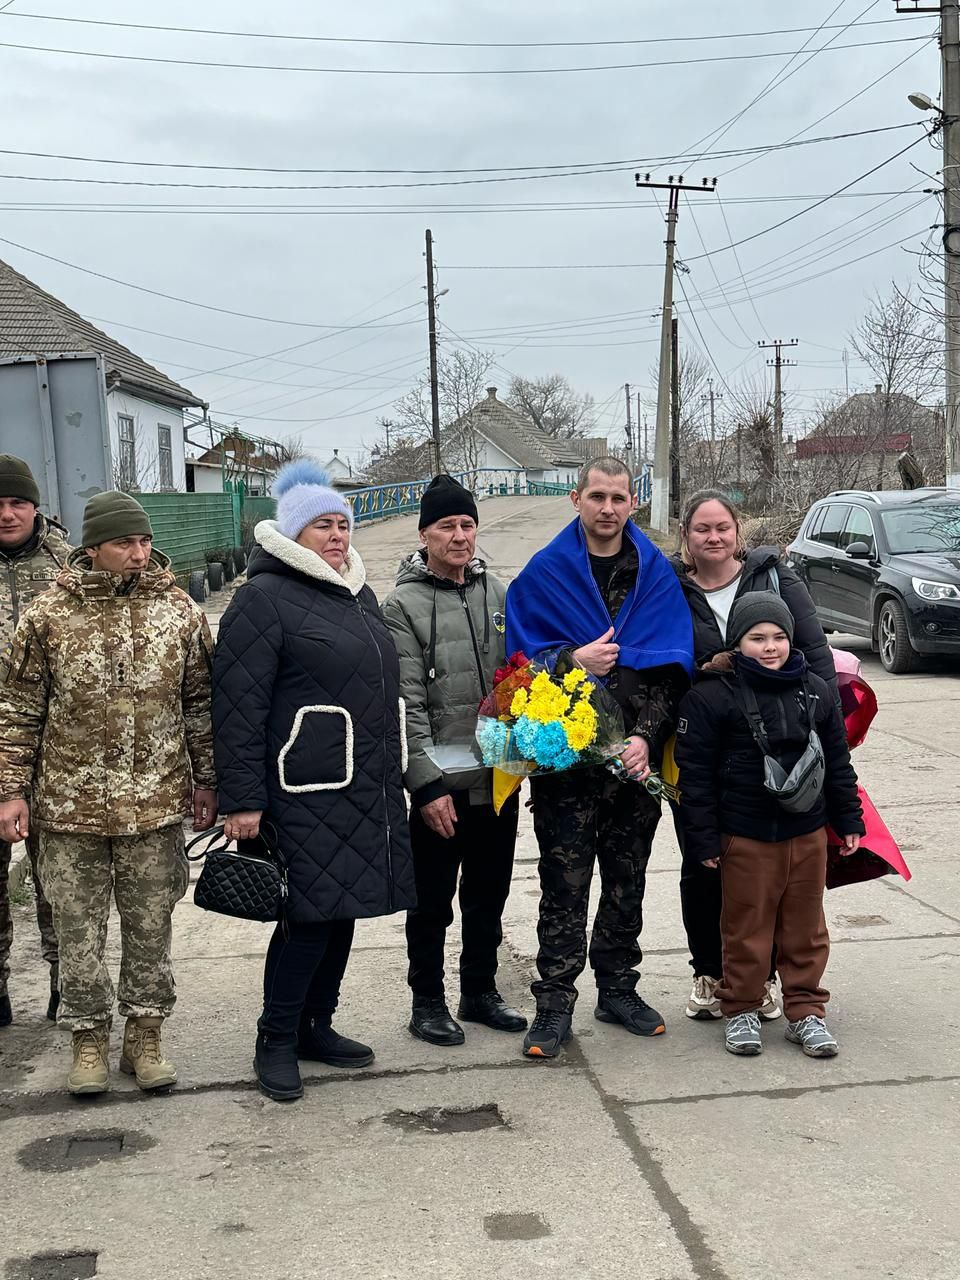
720, 600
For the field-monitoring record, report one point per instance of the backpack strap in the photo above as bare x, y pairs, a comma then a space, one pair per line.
745, 699
774, 579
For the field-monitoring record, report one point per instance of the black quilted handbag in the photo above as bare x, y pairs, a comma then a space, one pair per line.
250, 883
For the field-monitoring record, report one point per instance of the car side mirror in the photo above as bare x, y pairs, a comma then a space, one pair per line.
859, 551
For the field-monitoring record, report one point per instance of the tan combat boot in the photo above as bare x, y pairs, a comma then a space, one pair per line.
143, 1054
90, 1071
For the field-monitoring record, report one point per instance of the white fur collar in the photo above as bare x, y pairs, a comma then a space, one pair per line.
352, 576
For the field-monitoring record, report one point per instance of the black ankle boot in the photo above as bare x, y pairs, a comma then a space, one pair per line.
275, 1066
318, 1042
490, 1009
6, 1012
53, 1004
431, 1021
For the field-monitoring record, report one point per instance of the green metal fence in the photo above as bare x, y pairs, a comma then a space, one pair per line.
186, 526
252, 511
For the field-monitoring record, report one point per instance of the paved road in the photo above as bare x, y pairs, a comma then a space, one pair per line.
657, 1160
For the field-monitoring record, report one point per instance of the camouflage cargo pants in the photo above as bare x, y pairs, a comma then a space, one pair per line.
48, 935
147, 875
583, 817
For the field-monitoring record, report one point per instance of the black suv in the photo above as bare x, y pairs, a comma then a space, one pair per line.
886, 566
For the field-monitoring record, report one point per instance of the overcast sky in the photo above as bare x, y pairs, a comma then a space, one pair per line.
352, 256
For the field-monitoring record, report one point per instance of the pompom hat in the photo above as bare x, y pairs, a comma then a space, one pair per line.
304, 493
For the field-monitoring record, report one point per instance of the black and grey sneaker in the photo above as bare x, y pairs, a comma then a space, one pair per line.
812, 1036
742, 1035
550, 1030
630, 1011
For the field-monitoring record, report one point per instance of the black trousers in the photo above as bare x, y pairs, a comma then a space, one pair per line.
302, 975
480, 852
584, 817
701, 901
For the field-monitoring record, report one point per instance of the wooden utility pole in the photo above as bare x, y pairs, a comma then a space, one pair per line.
779, 364
711, 397
628, 431
432, 331
660, 501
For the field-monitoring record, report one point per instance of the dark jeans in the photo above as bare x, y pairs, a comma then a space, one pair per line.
580, 818
701, 901
481, 852
302, 975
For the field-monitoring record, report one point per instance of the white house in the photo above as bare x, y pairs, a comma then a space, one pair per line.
341, 473
144, 407
236, 461
507, 441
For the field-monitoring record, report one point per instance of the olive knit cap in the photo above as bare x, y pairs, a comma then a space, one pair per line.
113, 515
755, 607
16, 480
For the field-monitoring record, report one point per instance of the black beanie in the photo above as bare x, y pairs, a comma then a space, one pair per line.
754, 607
445, 496
16, 480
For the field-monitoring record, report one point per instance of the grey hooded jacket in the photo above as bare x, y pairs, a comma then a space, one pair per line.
450, 641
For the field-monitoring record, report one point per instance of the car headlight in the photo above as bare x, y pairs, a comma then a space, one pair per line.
935, 590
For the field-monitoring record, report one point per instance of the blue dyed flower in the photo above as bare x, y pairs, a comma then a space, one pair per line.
492, 737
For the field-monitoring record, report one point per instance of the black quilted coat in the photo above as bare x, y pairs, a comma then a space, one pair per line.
308, 727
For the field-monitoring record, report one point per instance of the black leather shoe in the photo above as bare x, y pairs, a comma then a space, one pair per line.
275, 1066
6, 1011
53, 1005
630, 1011
431, 1021
491, 1011
320, 1043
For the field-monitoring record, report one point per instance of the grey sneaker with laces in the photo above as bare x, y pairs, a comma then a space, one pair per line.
812, 1036
742, 1035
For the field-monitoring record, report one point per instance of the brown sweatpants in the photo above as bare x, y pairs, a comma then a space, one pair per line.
773, 894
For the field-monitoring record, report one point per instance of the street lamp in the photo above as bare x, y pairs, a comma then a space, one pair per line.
922, 102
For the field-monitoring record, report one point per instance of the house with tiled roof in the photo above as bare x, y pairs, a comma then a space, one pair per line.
144, 407
504, 440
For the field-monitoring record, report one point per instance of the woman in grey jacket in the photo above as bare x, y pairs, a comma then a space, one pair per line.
446, 616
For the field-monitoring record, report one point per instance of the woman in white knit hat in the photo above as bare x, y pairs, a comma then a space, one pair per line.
308, 732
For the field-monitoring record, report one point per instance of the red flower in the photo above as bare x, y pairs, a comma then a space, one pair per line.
515, 663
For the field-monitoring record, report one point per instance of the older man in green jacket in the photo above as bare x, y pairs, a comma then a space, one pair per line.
446, 616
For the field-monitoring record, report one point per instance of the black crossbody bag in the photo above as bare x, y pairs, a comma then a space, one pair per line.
798, 791
249, 883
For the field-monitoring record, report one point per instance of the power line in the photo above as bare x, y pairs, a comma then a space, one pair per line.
520, 168
452, 71
428, 44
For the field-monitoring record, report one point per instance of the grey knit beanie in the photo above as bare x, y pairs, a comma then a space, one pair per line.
754, 607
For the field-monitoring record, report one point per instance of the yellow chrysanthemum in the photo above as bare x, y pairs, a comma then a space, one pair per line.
547, 701
573, 679
577, 733
519, 703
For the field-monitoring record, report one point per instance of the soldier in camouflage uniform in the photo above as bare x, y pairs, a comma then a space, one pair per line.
33, 550
105, 725
589, 815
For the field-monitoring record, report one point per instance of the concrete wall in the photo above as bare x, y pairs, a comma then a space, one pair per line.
147, 416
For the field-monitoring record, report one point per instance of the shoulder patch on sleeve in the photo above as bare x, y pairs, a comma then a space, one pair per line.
682, 725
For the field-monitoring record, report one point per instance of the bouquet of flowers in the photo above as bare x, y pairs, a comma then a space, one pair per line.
542, 717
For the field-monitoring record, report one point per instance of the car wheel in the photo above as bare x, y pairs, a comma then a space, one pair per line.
197, 586
215, 575
896, 652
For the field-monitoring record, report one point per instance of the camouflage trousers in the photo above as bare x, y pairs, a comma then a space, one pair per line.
147, 875
580, 818
48, 935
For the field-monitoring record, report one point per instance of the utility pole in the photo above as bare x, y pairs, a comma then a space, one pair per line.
660, 501
711, 397
628, 431
432, 331
641, 417
779, 364
948, 121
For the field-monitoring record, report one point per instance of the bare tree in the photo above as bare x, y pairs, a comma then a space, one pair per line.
553, 405
461, 379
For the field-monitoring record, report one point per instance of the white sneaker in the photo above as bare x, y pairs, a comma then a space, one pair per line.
772, 1006
703, 1002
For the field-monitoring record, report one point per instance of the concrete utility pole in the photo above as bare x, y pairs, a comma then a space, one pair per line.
432, 331
948, 121
675, 418
779, 364
660, 500
628, 431
711, 397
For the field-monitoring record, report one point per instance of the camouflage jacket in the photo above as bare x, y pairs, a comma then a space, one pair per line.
29, 570
105, 703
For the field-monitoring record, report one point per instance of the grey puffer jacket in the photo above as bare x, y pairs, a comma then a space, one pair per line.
450, 639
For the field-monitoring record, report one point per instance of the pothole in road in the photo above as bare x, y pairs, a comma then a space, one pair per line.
66, 1152
515, 1226
74, 1265
448, 1119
